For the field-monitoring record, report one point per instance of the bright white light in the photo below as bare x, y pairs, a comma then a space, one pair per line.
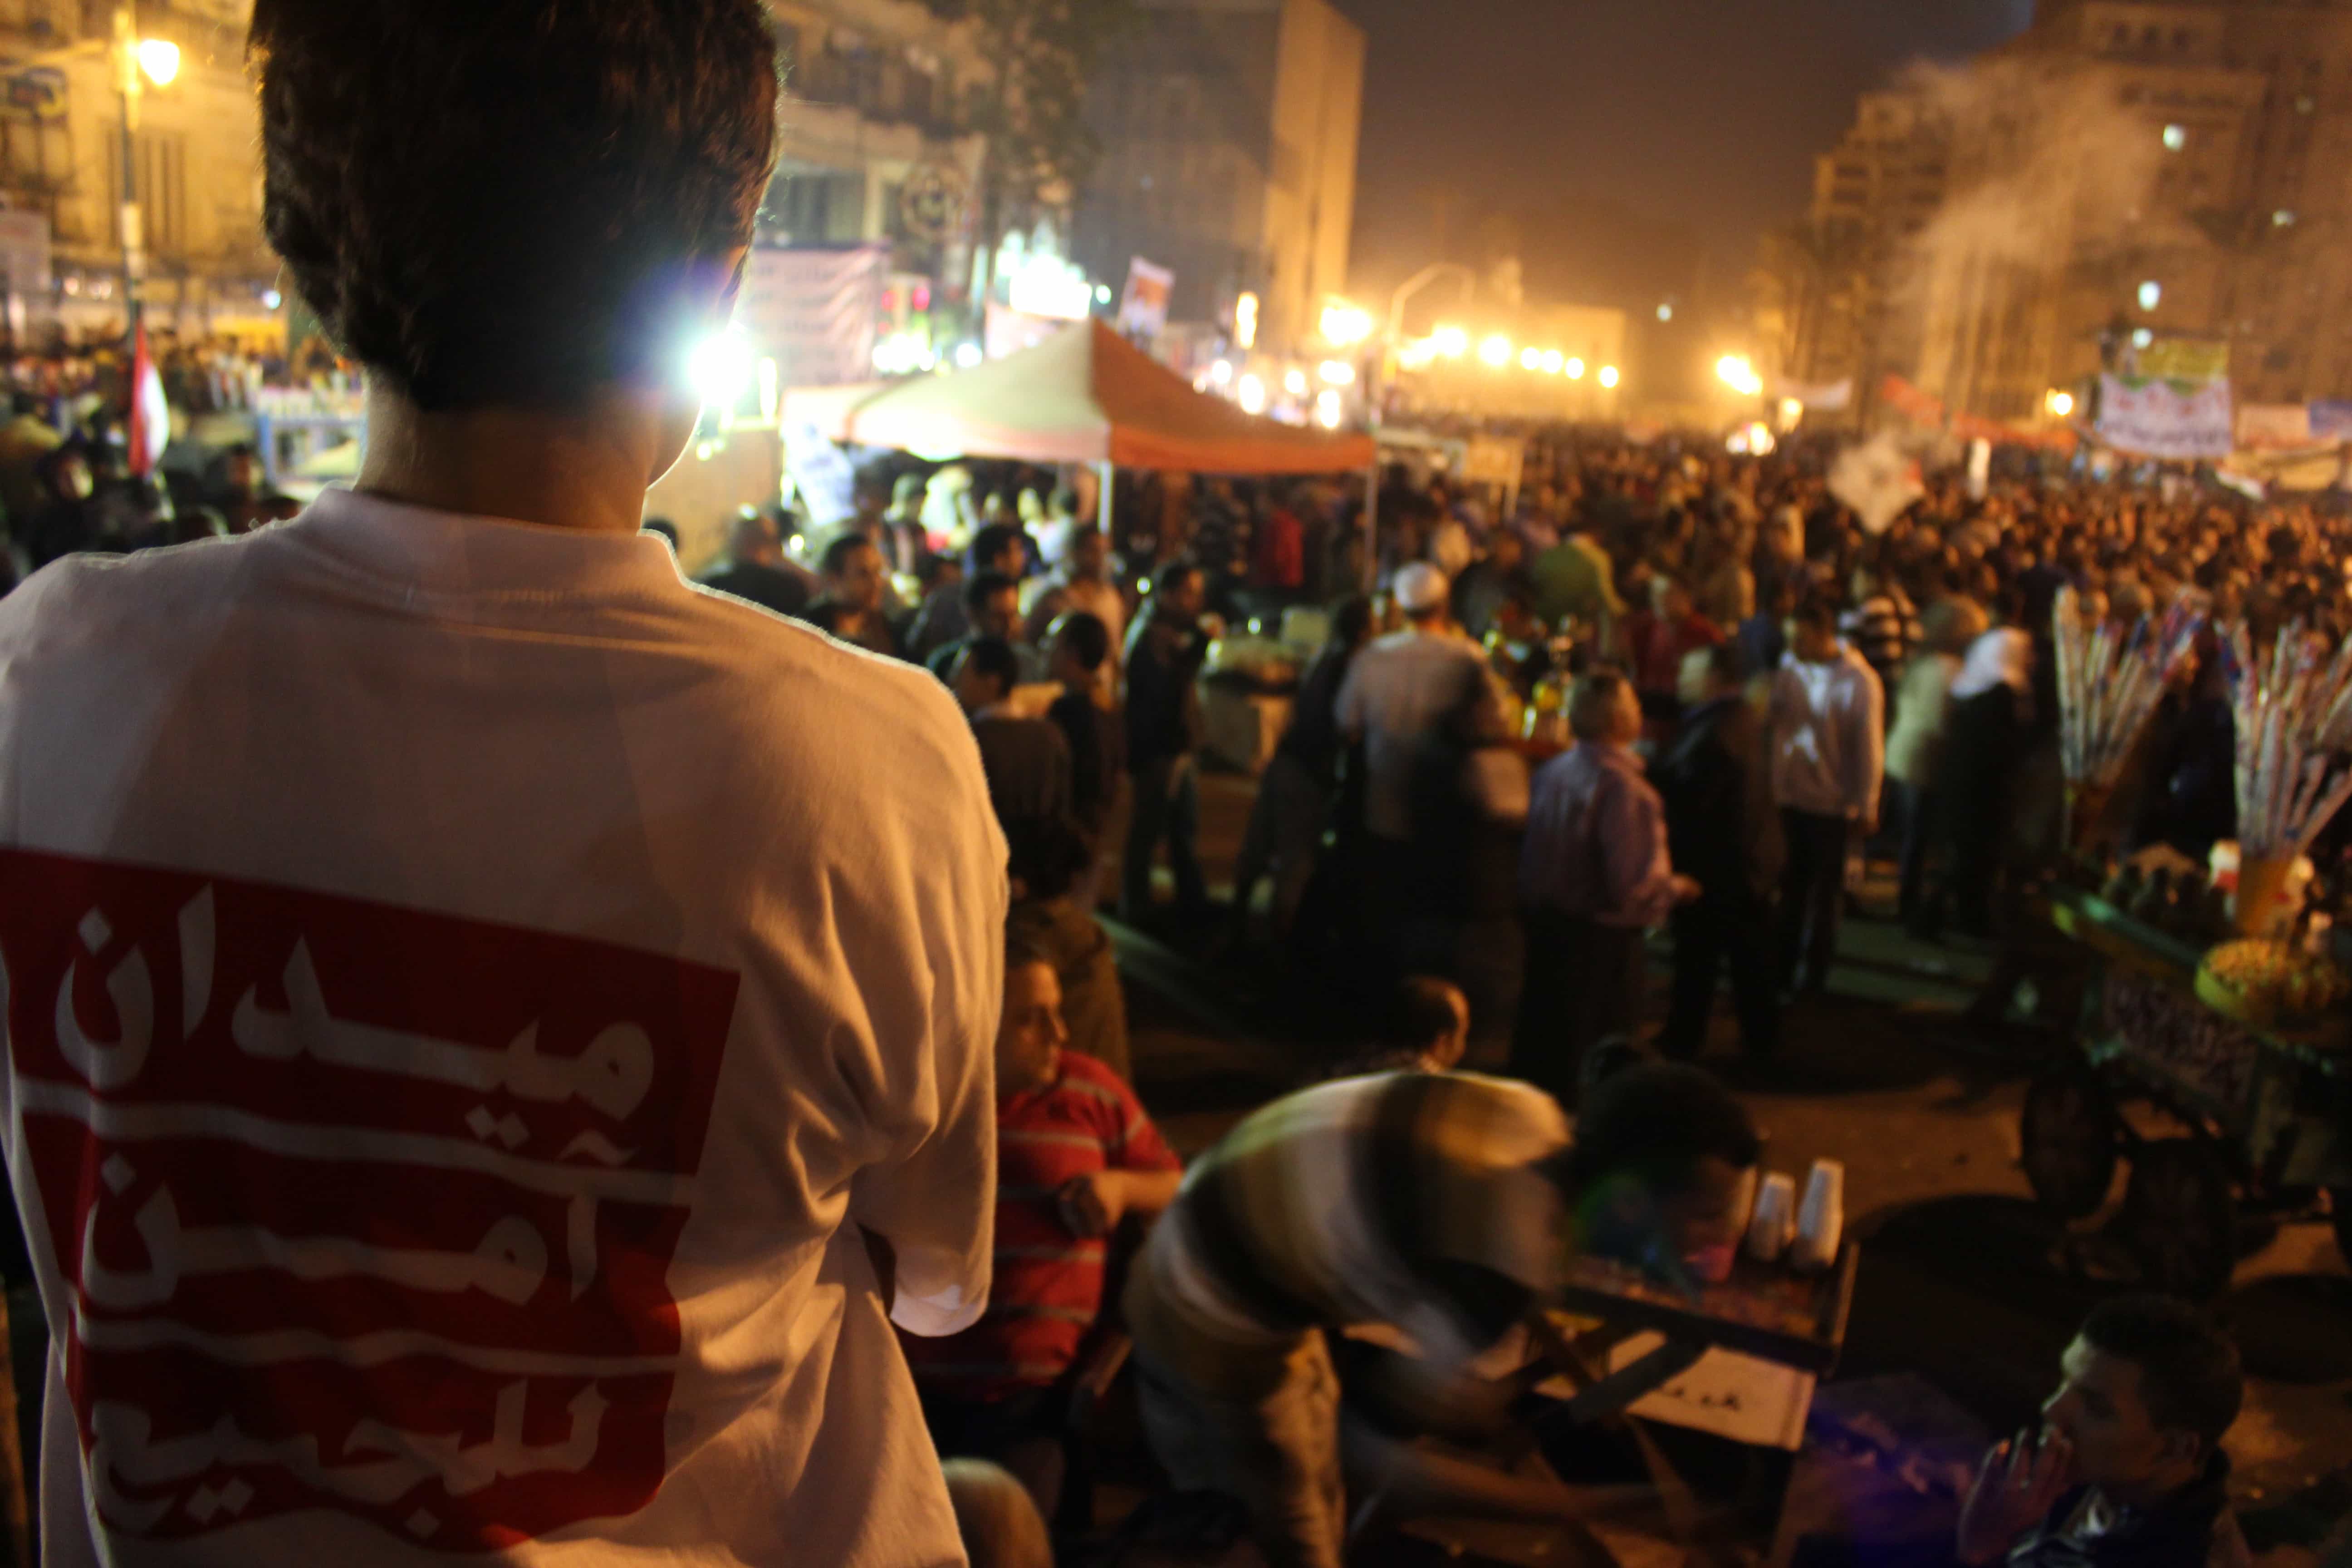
1102, 293
1245, 322
1453, 342
1496, 350
968, 356
2062, 404
2283, 218
1294, 382
1666, 312
1345, 326
1337, 373
1221, 372
1575, 370
721, 367
2142, 338
1530, 358
1738, 373
160, 58
2151, 295
271, 298
1326, 409
1609, 376
1251, 394
2176, 137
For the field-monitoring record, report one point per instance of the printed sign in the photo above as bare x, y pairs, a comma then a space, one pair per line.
1143, 309
359, 1208
815, 312
2153, 419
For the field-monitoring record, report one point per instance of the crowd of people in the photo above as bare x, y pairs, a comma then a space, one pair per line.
520, 1057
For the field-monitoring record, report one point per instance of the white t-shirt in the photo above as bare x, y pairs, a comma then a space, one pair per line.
463, 985
1397, 693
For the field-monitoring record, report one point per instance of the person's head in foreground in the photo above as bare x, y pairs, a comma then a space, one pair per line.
2146, 1392
1603, 711
1812, 629
1420, 593
1663, 1151
985, 673
1428, 1022
522, 219
1030, 1033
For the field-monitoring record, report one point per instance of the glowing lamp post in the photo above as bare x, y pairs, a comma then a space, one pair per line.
141, 62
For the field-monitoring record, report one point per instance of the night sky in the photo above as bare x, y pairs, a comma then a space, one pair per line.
1700, 117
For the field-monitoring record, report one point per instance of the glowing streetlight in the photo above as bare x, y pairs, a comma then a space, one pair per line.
1737, 372
160, 58
1451, 342
2151, 295
1245, 322
1495, 351
1294, 383
2176, 137
1666, 312
2060, 404
1251, 394
1326, 409
1221, 372
1609, 376
1530, 358
1337, 373
1344, 325
1575, 370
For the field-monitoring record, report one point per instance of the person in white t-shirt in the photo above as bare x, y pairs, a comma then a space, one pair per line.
496, 1033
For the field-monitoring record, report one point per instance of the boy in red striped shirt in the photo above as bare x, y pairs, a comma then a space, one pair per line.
1075, 1155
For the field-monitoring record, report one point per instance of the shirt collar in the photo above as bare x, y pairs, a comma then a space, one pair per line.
419, 550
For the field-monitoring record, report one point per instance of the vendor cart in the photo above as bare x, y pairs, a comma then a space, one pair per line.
2268, 1110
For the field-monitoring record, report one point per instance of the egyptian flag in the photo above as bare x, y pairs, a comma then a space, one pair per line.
151, 416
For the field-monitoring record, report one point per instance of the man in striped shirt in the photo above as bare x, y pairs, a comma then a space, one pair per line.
1074, 1155
1436, 1207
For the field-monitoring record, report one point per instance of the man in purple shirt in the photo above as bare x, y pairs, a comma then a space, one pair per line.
1593, 877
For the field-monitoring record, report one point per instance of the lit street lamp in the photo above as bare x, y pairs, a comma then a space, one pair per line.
140, 61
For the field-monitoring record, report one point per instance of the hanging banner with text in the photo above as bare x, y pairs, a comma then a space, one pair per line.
815, 312
2155, 419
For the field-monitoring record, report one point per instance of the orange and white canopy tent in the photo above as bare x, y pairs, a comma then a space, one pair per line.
1086, 395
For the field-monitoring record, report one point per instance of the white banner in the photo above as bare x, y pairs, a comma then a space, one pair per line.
2273, 427
2153, 420
1827, 398
1143, 310
815, 312
1878, 481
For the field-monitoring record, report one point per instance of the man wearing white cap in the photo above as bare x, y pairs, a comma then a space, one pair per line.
1397, 694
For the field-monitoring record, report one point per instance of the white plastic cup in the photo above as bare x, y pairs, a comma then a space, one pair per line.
1774, 1220
1821, 1224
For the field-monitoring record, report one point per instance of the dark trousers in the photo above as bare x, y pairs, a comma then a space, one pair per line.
1730, 928
1583, 985
1812, 889
1167, 806
1918, 805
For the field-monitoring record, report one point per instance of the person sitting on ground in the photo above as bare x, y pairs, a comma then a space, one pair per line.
1428, 1030
1049, 859
1027, 761
1471, 1184
850, 608
756, 569
1076, 1156
2128, 1470
992, 602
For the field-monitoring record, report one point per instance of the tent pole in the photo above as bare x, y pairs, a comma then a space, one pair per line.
1372, 525
1103, 472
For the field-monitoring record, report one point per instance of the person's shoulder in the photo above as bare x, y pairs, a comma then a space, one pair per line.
1088, 1084
99, 601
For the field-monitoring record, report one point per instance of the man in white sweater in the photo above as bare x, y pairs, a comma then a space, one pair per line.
1828, 758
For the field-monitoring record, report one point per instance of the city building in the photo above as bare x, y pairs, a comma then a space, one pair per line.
2133, 181
1228, 133
193, 171
1845, 304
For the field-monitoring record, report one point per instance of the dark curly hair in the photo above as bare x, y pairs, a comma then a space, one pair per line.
513, 202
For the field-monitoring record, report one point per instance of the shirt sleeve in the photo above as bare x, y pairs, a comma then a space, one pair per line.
1137, 1145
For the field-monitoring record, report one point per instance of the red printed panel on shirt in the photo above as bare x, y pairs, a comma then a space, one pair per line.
360, 1208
